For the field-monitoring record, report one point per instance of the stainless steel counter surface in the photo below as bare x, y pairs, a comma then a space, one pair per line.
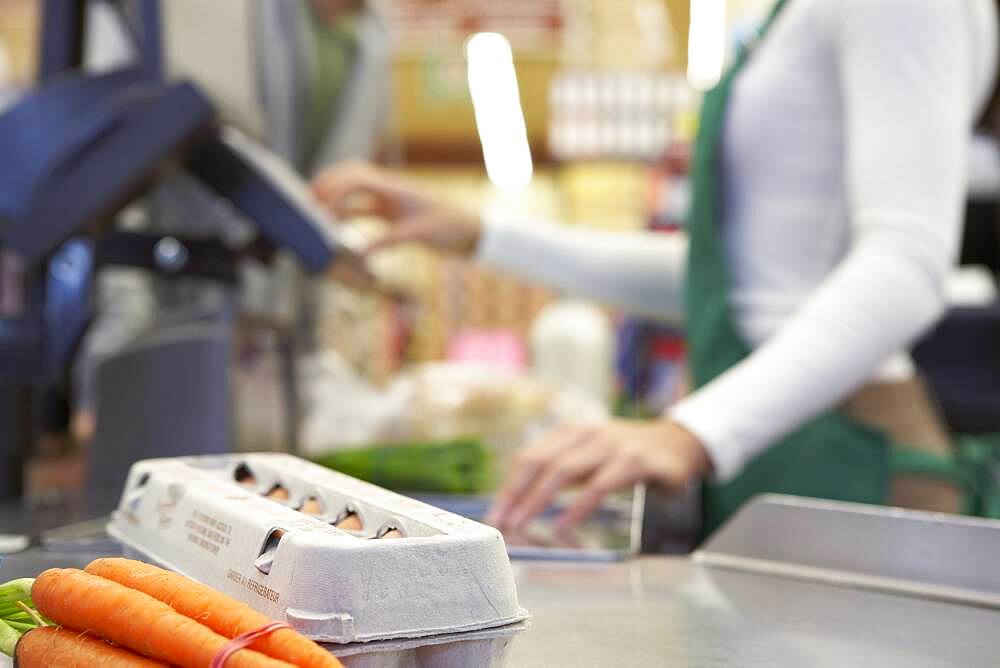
669, 612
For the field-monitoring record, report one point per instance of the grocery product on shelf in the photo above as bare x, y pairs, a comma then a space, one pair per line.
572, 344
615, 114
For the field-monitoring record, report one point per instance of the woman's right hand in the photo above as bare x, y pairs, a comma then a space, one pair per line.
416, 216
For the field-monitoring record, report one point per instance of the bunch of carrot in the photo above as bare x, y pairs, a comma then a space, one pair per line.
122, 614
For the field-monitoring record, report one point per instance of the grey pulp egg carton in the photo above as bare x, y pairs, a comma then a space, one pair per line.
488, 648
263, 528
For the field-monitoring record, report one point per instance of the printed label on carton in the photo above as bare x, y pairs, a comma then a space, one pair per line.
207, 532
253, 586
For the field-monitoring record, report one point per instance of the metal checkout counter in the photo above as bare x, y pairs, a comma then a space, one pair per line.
788, 582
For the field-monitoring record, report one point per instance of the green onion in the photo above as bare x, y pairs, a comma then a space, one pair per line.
16, 590
33, 614
8, 638
17, 613
17, 617
460, 466
21, 627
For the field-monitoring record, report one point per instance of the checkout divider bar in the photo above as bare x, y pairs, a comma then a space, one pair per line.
932, 556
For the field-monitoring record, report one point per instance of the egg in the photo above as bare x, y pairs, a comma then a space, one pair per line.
350, 522
278, 493
311, 506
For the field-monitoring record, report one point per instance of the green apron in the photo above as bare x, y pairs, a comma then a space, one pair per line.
832, 456
335, 53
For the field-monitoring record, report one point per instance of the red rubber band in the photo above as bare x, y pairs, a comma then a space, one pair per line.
242, 641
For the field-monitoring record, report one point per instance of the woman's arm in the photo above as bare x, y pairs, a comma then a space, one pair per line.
906, 74
640, 273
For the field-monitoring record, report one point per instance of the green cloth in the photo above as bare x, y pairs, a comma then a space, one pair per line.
335, 50
832, 456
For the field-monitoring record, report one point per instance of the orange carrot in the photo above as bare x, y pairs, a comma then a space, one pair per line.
219, 612
53, 647
135, 620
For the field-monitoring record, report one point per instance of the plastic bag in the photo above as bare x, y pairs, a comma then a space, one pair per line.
433, 402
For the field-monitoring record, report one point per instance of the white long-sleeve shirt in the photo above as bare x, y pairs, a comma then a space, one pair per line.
845, 153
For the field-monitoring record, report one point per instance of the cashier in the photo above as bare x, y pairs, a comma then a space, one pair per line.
829, 186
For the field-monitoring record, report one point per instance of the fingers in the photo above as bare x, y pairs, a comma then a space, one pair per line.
561, 472
526, 466
356, 197
336, 183
617, 473
346, 177
601, 459
356, 189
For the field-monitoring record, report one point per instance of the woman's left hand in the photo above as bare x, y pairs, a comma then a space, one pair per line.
600, 459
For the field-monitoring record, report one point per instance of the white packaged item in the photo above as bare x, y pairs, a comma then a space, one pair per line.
572, 344
409, 571
436, 401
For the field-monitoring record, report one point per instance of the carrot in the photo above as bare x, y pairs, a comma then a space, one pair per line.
53, 647
219, 612
135, 620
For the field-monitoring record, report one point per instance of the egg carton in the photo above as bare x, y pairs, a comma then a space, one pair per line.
488, 648
341, 560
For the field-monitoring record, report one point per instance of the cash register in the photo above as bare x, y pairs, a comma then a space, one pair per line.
78, 149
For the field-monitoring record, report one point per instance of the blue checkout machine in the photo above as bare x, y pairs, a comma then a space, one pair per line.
76, 151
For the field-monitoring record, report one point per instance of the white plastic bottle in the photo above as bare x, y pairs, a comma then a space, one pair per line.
573, 343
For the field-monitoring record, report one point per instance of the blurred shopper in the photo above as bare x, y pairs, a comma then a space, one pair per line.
324, 67
830, 179
322, 71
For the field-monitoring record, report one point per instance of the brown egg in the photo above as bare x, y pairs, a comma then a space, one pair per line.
278, 493
350, 522
311, 506
392, 533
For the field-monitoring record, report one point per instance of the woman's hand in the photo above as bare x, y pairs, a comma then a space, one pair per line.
416, 216
600, 459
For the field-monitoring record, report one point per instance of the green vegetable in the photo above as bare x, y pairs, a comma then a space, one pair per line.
17, 613
16, 590
21, 627
32, 614
461, 466
8, 638
17, 617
